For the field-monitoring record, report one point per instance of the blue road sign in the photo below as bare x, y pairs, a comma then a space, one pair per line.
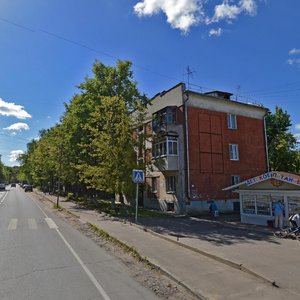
138, 176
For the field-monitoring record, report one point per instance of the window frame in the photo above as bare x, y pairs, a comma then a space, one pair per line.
165, 147
154, 185
171, 182
231, 121
235, 179
234, 152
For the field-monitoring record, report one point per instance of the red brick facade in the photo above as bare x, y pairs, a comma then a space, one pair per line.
209, 161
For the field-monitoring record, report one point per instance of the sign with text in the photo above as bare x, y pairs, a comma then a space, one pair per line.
284, 177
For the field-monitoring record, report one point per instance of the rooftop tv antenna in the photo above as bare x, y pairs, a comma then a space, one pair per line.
189, 73
237, 92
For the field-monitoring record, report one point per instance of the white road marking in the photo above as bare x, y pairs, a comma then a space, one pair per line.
32, 224
51, 223
12, 224
2, 199
84, 267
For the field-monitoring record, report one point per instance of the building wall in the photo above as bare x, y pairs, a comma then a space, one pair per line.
210, 165
162, 199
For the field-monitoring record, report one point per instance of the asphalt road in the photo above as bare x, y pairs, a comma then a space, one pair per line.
42, 257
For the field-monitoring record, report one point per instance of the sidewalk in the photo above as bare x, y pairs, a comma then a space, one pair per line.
181, 247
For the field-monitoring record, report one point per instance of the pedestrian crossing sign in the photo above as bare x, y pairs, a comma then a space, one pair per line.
138, 176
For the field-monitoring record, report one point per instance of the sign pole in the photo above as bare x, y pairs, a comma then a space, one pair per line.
137, 177
136, 202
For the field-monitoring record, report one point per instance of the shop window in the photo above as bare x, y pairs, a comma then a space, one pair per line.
231, 121
263, 205
235, 179
171, 184
294, 205
248, 204
154, 185
234, 152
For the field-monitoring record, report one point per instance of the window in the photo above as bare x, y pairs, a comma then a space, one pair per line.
167, 146
160, 119
294, 205
248, 204
172, 146
154, 185
263, 205
233, 152
171, 115
231, 121
170, 184
235, 179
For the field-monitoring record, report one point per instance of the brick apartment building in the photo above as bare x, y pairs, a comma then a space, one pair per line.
201, 143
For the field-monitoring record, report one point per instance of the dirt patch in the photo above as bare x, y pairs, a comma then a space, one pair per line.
146, 274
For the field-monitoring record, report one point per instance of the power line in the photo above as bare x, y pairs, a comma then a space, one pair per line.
76, 43
251, 95
17, 24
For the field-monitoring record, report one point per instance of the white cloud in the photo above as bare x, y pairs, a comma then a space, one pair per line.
297, 126
294, 51
182, 14
14, 155
215, 32
17, 127
228, 12
297, 136
293, 61
11, 109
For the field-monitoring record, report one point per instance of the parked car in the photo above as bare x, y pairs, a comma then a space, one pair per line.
13, 185
2, 186
28, 188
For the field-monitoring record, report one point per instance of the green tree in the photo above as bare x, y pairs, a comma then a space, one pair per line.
282, 145
98, 127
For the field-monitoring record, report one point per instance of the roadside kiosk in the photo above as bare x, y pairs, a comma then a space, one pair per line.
259, 194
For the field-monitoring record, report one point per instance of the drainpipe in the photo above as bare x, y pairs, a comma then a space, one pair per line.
266, 143
187, 145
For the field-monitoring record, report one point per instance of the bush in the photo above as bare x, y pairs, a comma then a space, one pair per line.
70, 196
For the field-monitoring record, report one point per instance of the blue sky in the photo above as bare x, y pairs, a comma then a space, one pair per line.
248, 47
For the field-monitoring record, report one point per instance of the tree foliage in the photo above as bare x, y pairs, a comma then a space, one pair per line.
95, 135
282, 145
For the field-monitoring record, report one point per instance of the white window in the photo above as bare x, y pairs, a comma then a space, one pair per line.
170, 184
154, 185
235, 179
167, 146
172, 146
231, 121
233, 152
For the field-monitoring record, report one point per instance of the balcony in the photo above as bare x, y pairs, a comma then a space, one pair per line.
165, 153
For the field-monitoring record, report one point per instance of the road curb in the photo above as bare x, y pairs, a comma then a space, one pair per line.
219, 259
154, 265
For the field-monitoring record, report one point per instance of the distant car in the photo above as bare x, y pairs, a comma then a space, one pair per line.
2, 186
28, 188
13, 185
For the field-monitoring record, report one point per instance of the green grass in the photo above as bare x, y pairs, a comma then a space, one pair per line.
128, 211
131, 250
55, 206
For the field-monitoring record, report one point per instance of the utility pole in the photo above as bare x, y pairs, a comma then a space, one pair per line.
59, 175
